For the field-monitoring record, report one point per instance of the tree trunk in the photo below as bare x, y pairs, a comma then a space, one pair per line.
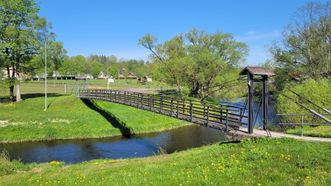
11, 93
11, 84
18, 88
195, 90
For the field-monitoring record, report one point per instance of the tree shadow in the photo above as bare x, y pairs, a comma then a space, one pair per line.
5, 99
168, 92
113, 120
37, 95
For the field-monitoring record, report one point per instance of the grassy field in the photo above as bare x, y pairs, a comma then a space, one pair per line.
68, 86
69, 117
319, 131
260, 162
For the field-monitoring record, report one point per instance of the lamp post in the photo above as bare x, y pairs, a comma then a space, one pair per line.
45, 55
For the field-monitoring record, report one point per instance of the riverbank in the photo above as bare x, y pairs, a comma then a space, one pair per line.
70, 118
250, 162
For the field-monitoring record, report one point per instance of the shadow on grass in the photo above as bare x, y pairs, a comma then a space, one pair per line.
37, 95
168, 92
5, 99
229, 142
114, 121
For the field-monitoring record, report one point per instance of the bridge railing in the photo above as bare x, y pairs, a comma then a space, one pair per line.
286, 121
217, 116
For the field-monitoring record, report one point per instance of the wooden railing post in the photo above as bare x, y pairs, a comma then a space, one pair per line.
191, 111
221, 115
207, 114
149, 102
153, 103
142, 101
127, 97
161, 102
110, 94
226, 120
171, 108
124, 97
177, 113
131, 99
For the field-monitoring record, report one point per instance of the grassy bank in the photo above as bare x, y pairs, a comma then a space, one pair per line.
319, 131
260, 162
69, 117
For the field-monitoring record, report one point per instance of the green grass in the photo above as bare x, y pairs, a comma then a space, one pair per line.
260, 162
319, 131
68, 117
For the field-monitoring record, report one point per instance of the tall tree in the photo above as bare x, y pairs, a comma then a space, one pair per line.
20, 34
306, 48
196, 59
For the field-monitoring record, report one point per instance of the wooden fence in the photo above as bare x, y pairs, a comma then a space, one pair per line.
212, 115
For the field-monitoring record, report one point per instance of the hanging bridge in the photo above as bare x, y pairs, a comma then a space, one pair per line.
220, 116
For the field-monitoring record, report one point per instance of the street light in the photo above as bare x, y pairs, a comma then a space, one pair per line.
45, 76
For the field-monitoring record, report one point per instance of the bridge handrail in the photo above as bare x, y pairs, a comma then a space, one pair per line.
176, 107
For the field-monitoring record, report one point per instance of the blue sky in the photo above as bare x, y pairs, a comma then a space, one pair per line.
113, 27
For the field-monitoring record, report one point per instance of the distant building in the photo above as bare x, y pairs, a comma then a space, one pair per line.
120, 76
148, 79
102, 76
144, 79
110, 80
131, 76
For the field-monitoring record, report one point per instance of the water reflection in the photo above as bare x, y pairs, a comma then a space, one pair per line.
74, 151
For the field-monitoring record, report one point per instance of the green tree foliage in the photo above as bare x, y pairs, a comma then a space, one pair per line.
138, 67
21, 35
306, 49
69, 68
197, 60
95, 65
55, 57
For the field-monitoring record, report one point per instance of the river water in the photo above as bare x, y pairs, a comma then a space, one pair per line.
142, 145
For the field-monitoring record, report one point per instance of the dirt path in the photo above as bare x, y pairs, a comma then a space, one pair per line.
141, 90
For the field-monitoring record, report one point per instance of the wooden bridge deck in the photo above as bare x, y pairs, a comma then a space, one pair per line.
223, 117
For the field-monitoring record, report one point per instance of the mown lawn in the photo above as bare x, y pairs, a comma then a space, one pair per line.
319, 131
251, 162
68, 117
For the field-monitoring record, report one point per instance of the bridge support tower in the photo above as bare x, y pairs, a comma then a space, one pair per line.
262, 76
